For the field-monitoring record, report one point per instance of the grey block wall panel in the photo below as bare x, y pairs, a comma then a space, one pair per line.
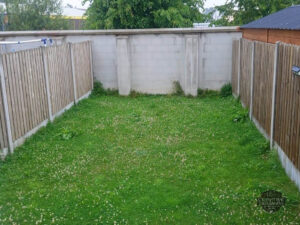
157, 57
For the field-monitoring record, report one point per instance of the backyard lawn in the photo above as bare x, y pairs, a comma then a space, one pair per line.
146, 160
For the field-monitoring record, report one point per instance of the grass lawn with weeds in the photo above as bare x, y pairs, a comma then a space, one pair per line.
146, 160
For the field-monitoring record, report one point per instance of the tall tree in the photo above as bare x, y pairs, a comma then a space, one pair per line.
130, 14
239, 12
34, 15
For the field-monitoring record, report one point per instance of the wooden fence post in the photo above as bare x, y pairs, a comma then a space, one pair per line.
274, 95
46, 72
252, 79
92, 64
73, 73
5, 104
239, 67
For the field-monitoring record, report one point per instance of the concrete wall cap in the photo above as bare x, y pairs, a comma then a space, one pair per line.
120, 32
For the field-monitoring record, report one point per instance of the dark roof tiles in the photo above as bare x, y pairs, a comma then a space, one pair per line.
286, 19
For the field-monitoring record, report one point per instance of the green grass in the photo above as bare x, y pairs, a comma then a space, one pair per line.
145, 160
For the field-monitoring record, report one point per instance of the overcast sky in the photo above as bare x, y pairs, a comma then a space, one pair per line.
76, 3
209, 3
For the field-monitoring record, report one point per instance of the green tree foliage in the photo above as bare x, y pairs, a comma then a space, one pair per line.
131, 14
239, 12
34, 15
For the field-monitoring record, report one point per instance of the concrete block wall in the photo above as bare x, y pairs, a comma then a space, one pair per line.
215, 66
157, 62
150, 60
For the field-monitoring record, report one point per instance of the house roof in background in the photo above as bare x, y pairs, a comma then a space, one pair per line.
286, 19
73, 12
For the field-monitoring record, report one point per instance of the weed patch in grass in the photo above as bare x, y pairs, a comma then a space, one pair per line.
226, 90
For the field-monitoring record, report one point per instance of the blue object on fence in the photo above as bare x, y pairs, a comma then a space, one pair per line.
44, 40
296, 70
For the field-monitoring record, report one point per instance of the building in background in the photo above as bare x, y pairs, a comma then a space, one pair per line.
75, 16
201, 25
281, 26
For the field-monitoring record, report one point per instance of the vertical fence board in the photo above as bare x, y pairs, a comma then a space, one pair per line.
5, 108
294, 133
82, 67
6, 71
235, 66
60, 77
263, 84
245, 76
21, 96
27, 76
3, 130
10, 98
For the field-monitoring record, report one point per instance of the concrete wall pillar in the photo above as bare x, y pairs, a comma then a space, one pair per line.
191, 76
123, 65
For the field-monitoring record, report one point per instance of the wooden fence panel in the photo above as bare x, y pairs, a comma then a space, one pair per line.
287, 116
26, 94
245, 76
82, 67
235, 66
27, 91
60, 77
3, 132
263, 84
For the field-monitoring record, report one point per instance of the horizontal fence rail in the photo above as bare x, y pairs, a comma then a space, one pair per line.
274, 93
39, 85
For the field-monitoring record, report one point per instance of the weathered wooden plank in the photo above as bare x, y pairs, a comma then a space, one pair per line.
29, 94
20, 94
245, 76
47, 84
82, 67
294, 121
3, 131
25, 90
43, 85
60, 73
12, 101
287, 117
6, 97
263, 84
91, 61
4, 110
235, 61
